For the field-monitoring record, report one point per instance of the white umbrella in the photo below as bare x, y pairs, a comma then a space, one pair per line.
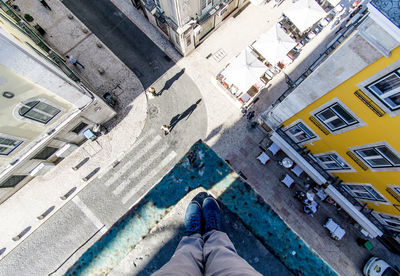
274, 45
257, 2
304, 14
310, 195
334, 2
244, 71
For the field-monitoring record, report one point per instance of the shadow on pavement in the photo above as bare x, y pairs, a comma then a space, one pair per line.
201, 167
169, 82
185, 114
123, 38
247, 246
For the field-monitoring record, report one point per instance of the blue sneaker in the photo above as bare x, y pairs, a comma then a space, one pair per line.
211, 214
193, 219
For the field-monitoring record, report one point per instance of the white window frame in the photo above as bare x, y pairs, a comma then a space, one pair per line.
6, 136
396, 189
336, 117
294, 137
380, 155
367, 191
333, 161
345, 107
382, 217
375, 77
383, 96
21, 104
207, 6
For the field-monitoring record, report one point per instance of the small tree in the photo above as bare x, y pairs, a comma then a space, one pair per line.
28, 17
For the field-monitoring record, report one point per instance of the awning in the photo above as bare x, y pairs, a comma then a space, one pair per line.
274, 45
347, 206
244, 71
353, 212
257, 2
298, 159
304, 14
334, 2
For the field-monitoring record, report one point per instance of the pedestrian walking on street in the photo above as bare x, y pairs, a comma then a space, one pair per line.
167, 129
250, 115
152, 90
208, 252
74, 61
44, 3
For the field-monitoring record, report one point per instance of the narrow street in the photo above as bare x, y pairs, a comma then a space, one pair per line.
123, 38
103, 201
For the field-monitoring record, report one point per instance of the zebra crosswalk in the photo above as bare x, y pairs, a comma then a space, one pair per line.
151, 175
147, 159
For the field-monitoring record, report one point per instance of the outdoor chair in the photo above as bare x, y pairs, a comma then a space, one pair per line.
297, 170
274, 149
263, 158
288, 181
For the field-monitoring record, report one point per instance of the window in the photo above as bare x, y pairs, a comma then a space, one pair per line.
336, 117
12, 181
7, 145
390, 220
300, 132
363, 192
79, 128
332, 162
379, 156
188, 41
45, 153
38, 111
387, 90
205, 5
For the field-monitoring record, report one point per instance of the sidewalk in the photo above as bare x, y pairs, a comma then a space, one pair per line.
43, 193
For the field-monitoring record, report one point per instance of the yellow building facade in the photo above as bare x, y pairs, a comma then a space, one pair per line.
343, 123
339, 120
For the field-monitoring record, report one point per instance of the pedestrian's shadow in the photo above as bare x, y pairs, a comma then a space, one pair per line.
169, 82
186, 114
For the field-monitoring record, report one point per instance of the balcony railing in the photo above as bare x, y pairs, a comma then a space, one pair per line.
335, 181
305, 154
26, 29
369, 103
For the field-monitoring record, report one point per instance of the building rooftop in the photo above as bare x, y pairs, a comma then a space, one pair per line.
389, 8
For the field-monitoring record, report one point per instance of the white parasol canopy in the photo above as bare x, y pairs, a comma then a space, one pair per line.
274, 45
257, 2
304, 14
244, 71
334, 2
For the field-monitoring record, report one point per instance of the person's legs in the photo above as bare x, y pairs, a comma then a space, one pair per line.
188, 256
77, 62
187, 259
219, 253
221, 257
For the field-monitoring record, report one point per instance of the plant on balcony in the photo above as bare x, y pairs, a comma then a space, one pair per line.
28, 17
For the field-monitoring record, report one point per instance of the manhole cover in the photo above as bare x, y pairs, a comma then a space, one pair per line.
153, 111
